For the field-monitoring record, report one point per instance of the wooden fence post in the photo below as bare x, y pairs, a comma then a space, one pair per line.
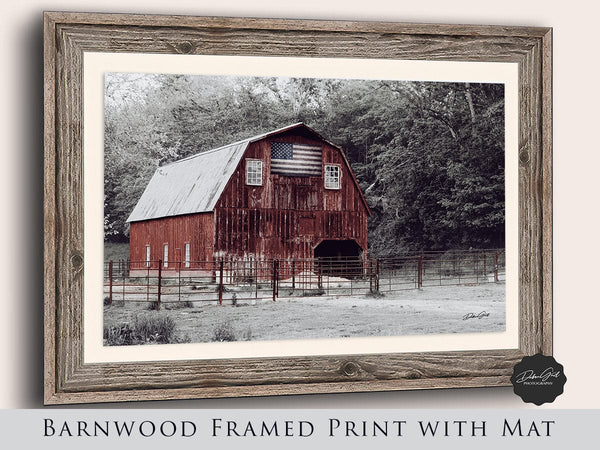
110, 278
159, 284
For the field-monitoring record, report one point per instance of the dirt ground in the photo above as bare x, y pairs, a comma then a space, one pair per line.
432, 310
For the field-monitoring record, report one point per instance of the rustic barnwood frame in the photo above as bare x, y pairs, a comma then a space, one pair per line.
68, 35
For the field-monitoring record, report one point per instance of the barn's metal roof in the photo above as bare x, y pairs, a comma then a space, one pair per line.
194, 184
188, 186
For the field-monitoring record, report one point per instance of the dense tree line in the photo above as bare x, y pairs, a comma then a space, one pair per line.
428, 156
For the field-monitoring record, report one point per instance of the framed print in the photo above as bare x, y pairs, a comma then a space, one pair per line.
247, 207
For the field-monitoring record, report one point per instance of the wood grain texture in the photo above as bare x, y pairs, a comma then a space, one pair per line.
68, 35
546, 148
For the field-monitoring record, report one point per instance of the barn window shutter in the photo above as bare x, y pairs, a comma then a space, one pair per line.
332, 177
166, 255
254, 169
147, 255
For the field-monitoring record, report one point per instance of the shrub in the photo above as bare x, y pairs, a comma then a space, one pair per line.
179, 305
223, 332
155, 329
119, 335
153, 306
374, 294
247, 335
234, 300
313, 293
145, 330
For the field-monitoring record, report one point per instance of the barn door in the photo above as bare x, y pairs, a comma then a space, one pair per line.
339, 257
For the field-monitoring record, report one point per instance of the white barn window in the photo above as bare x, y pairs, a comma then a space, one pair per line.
166, 255
147, 255
254, 170
332, 177
187, 255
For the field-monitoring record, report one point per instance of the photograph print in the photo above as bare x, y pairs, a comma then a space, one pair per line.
246, 208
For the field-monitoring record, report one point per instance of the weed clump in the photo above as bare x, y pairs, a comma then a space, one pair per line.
313, 293
374, 294
223, 332
144, 330
153, 306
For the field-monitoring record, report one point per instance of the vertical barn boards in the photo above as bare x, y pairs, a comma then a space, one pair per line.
68, 35
266, 220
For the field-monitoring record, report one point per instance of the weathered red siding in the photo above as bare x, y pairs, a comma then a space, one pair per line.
195, 229
288, 216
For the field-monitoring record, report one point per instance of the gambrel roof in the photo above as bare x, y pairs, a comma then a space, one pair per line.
195, 184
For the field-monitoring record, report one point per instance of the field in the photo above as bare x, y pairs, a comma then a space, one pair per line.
440, 309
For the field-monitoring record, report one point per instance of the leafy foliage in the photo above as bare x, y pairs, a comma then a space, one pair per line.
428, 156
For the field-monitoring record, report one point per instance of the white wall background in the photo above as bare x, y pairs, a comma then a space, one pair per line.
576, 187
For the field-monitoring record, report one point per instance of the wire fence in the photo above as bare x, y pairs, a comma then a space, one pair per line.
231, 280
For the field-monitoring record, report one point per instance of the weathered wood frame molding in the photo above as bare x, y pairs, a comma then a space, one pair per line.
68, 35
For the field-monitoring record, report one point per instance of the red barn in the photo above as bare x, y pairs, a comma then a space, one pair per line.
285, 194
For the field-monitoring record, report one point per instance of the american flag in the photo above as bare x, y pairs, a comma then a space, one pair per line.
296, 159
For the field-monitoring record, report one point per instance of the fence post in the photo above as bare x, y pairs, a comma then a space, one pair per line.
377, 275
124, 280
420, 272
496, 267
320, 275
274, 279
293, 274
221, 281
110, 278
484, 268
370, 269
159, 284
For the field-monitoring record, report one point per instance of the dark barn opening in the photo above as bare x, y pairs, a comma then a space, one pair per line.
341, 258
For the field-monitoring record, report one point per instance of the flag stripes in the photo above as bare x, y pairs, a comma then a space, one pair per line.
296, 159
